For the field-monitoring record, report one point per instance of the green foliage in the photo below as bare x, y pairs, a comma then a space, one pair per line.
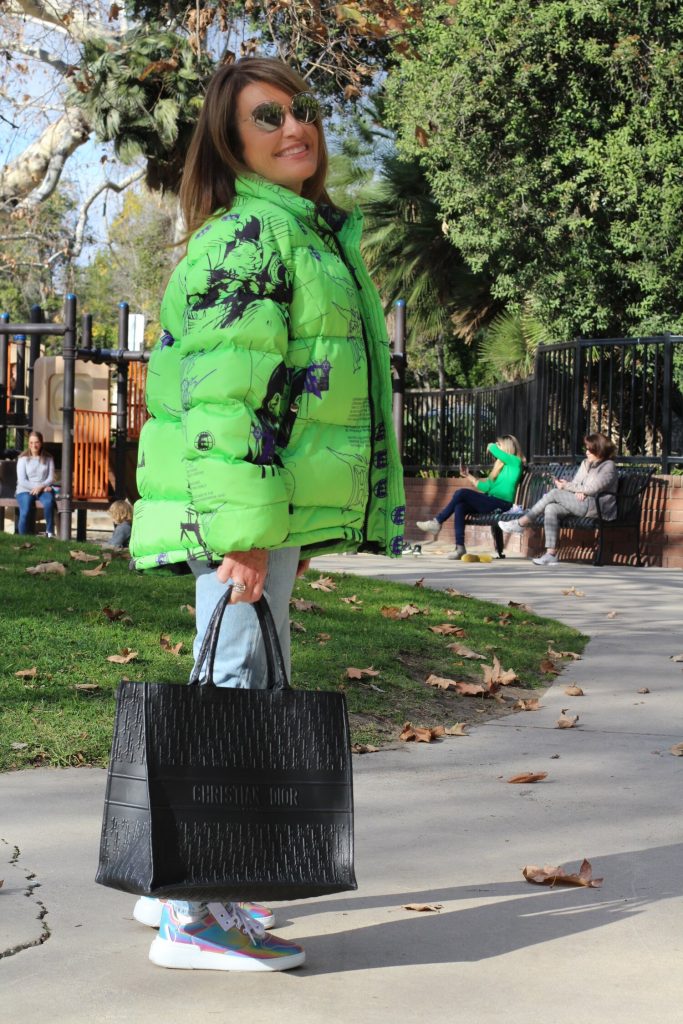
134, 266
144, 95
509, 345
551, 135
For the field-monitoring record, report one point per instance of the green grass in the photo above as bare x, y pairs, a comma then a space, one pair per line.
56, 624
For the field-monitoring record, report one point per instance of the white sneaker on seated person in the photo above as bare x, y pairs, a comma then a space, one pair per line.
511, 526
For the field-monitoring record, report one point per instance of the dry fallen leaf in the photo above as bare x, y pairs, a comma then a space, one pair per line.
532, 704
18, 746
574, 691
167, 644
495, 676
566, 721
454, 613
562, 654
363, 748
644, 689
529, 777
465, 652
612, 615
304, 606
44, 567
558, 876
86, 687
677, 750
441, 683
446, 629
297, 626
123, 657
351, 600
117, 615
361, 673
419, 734
24, 547
420, 582
422, 907
470, 689
573, 592
27, 673
677, 657
549, 666
518, 604
392, 612
325, 583
97, 571
457, 730
189, 609
82, 556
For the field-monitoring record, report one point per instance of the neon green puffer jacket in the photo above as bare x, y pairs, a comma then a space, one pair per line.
269, 392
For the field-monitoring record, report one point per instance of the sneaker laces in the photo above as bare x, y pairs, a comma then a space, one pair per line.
232, 915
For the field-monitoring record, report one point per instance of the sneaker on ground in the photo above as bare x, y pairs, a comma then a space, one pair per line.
511, 526
430, 526
458, 553
148, 911
223, 938
546, 559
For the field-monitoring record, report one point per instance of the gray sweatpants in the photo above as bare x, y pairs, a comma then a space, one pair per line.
555, 506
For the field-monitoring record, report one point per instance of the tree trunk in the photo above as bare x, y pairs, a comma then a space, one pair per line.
41, 164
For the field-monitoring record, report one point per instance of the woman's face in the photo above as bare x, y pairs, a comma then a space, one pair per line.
287, 156
592, 456
34, 445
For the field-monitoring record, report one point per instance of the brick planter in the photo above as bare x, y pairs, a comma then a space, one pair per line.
661, 526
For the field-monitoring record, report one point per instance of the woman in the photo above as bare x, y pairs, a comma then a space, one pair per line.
35, 477
597, 474
270, 394
495, 493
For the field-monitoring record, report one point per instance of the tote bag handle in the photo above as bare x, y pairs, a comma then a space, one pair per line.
277, 674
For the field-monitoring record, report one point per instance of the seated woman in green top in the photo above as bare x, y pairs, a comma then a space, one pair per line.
495, 493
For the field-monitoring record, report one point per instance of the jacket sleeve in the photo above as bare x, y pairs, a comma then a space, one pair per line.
22, 478
233, 382
602, 477
507, 457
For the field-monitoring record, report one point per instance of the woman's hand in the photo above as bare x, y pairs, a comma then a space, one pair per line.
248, 568
560, 484
37, 491
580, 495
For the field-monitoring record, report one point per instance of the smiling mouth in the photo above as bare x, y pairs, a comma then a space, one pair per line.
297, 150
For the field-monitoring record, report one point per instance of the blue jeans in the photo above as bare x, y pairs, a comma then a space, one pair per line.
27, 501
465, 501
240, 657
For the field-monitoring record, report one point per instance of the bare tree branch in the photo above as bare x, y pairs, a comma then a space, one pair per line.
113, 186
61, 16
34, 175
38, 53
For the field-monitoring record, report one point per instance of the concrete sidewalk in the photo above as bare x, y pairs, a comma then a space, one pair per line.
434, 823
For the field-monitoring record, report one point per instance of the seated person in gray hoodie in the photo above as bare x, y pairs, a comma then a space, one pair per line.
597, 473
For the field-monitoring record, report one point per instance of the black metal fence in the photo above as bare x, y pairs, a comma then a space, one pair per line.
628, 388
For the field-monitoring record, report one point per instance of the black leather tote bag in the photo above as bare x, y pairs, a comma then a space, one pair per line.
216, 793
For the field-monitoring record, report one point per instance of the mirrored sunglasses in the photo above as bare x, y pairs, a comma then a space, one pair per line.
269, 117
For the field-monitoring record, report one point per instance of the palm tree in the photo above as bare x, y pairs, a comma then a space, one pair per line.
409, 255
509, 345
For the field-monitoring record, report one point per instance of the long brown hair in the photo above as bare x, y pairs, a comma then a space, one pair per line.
600, 445
214, 157
42, 455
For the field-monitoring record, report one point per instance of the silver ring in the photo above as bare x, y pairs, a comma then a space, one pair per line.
239, 588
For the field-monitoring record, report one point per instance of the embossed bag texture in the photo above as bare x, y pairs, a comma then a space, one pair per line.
230, 794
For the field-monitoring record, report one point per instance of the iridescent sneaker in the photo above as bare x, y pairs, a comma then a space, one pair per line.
148, 911
223, 938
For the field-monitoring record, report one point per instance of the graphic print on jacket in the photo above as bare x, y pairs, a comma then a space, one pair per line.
269, 392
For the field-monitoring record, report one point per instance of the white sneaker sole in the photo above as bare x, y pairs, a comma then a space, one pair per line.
191, 958
148, 912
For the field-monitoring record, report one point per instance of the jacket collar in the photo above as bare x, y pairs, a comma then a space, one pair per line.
321, 219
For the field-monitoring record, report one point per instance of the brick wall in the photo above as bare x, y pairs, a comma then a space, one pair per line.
661, 526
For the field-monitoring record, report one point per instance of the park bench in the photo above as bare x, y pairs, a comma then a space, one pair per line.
81, 508
537, 480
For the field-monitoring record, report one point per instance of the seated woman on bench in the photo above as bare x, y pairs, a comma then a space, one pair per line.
35, 477
494, 494
597, 473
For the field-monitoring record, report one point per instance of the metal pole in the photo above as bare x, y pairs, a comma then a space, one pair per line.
19, 389
65, 500
35, 341
86, 331
121, 405
668, 372
398, 363
4, 343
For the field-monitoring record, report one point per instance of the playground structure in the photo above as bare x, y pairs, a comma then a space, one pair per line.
68, 399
